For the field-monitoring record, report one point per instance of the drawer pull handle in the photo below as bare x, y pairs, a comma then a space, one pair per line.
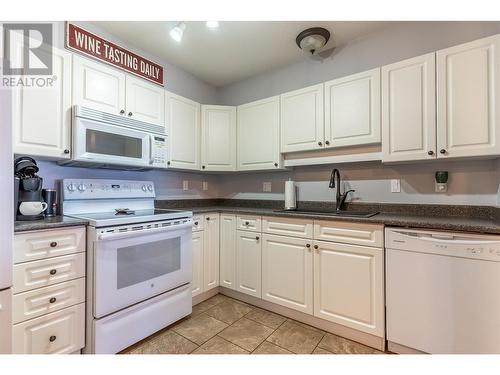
52, 338
53, 244
308, 245
53, 272
53, 300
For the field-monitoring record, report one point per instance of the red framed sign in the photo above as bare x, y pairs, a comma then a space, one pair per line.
98, 48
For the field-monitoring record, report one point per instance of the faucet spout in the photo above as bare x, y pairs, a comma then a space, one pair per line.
335, 184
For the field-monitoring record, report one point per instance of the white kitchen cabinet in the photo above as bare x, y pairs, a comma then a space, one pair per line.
349, 285
218, 138
352, 109
287, 272
98, 86
468, 99
183, 129
211, 252
259, 135
248, 263
409, 109
228, 251
42, 115
197, 263
302, 119
145, 101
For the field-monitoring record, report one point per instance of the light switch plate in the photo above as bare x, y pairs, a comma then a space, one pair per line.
205, 185
396, 186
266, 186
185, 185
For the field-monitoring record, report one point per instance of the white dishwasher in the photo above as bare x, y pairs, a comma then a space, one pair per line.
442, 292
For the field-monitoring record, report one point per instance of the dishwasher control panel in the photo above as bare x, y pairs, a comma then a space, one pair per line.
464, 245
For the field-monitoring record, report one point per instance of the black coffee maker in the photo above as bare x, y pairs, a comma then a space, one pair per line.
27, 187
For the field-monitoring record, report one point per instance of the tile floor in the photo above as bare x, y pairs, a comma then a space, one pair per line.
222, 325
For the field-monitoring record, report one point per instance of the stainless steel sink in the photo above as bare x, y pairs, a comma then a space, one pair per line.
339, 213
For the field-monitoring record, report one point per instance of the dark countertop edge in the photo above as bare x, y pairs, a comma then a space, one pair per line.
451, 223
48, 223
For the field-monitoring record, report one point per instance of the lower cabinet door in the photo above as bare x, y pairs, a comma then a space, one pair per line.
248, 263
349, 285
228, 251
197, 251
211, 252
287, 272
55, 333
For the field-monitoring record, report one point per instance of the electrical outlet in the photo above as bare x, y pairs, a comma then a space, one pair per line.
205, 185
440, 187
266, 187
396, 186
185, 185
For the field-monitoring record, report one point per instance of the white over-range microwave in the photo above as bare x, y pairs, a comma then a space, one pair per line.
103, 140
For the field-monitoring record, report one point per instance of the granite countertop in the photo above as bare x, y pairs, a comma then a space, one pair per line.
48, 223
454, 218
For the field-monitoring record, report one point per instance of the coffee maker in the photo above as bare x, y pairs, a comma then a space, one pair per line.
28, 190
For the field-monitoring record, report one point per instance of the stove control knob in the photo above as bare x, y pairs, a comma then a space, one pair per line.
71, 187
144, 188
150, 187
82, 187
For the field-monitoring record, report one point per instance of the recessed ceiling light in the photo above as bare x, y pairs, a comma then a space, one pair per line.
212, 24
177, 31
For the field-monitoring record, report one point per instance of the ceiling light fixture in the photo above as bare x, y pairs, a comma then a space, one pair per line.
177, 31
313, 40
212, 24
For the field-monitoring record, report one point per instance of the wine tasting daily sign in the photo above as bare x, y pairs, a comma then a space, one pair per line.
98, 48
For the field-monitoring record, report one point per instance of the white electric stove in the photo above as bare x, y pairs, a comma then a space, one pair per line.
138, 260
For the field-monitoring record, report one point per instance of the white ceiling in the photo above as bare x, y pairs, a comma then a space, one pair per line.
234, 51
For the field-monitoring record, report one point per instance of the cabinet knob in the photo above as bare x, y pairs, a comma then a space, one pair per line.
275, 164
442, 151
53, 300
430, 152
53, 272
122, 112
195, 223
52, 338
202, 167
208, 219
320, 143
316, 247
53, 244
168, 163
327, 143
247, 223
308, 245
130, 113
257, 238
66, 151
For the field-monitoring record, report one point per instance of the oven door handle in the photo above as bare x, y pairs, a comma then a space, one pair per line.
136, 233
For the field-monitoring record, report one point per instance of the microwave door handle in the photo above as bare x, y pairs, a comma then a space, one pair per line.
151, 140
135, 233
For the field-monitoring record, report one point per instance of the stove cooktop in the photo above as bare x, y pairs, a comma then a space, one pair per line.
123, 217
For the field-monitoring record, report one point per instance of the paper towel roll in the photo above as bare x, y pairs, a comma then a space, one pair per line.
290, 199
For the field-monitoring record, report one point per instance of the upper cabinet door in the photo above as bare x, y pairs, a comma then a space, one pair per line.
42, 115
352, 109
145, 101
468, 99
259, 134
183, 124
302, 119
409, 109
218, 138
98, 86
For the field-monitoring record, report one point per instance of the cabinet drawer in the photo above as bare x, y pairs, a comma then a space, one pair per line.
348, 232
251, 223
40, 273
56, 333
197, 223
48, 243
38, 302
288, 227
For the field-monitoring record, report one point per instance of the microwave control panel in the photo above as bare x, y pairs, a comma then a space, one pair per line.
159, 151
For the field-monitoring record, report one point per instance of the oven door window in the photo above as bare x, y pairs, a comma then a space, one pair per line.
139, 263
104, 143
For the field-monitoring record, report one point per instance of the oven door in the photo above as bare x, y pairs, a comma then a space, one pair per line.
100, 142
131, 267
